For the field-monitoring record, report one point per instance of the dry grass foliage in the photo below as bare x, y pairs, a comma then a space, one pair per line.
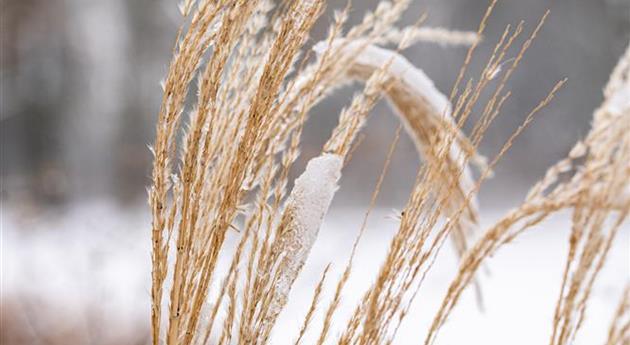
228, 171
596, 192
619, 332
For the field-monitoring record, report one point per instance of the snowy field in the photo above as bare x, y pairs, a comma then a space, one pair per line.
87, 269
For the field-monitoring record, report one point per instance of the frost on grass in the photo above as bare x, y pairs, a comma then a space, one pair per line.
620, 101
370, 58
306, 207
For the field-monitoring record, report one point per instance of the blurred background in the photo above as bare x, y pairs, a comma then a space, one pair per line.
79, 83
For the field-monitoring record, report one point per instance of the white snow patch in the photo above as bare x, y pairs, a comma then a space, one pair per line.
620, 101
47, 258
309, 201
313, 192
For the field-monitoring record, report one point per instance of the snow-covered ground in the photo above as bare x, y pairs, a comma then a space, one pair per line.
88, 267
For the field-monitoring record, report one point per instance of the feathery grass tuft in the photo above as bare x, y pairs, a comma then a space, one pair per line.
252, 87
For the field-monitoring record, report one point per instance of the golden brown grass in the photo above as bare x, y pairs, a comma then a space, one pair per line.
230, 171
597, 195
619, 332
